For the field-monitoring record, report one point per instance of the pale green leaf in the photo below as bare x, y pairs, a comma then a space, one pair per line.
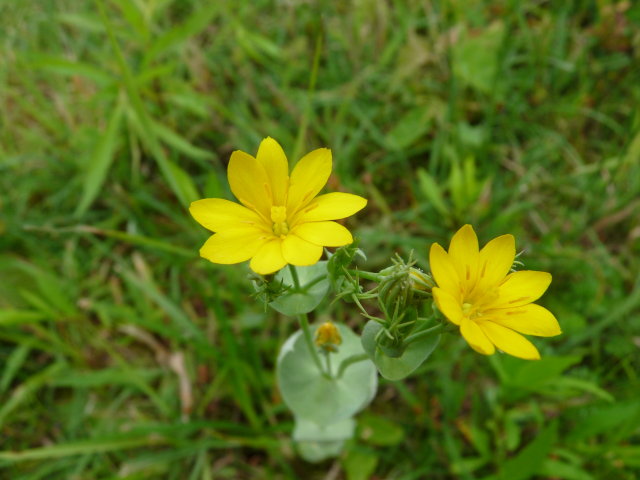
306, 430
315, 452
313, 396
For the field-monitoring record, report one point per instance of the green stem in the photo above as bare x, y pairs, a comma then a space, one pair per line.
376, 277
424, 333
319, 278
327, 358
313, 351
294, 277
350, 361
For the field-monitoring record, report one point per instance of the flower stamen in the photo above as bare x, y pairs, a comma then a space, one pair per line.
279, 218
471, 311
521, 299
484, 269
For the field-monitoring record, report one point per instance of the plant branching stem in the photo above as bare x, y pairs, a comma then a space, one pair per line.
360, 357
313, 351
327, 356
424, 333
376, 277
306, 329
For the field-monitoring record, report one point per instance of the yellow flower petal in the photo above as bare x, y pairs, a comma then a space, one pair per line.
521, 288
475, 337
331, 206
326, 234
448, 305
249, 183
529, 319
443, 270
463, 252
492, 306
268, 259
217, 214
233, 246
496, 259
276, 166
307, 179
510, 342
300, 252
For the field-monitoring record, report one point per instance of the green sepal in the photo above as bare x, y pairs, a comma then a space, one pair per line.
395, 347
313, 288
341, 259
399, 367
310, 394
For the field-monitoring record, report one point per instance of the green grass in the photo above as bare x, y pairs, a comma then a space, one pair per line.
125, 355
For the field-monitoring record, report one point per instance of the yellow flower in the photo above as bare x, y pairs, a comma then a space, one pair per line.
281, 220
476, 291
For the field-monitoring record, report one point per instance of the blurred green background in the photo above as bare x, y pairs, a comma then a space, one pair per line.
124, 355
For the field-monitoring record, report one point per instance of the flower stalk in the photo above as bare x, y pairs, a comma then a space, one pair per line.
313, 351
350, 361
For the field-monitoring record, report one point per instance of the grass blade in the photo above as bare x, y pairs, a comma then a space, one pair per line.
100, 161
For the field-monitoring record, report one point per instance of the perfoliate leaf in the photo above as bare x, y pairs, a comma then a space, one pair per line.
314, 284
315, 452
314, 397
399, 367
308, 431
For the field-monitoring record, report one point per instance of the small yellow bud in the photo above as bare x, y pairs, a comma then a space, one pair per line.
328, 337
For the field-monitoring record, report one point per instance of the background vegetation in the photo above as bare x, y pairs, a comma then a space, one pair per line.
124, 355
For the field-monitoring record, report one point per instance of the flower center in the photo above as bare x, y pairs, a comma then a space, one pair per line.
473, 308
471, 311
279, 219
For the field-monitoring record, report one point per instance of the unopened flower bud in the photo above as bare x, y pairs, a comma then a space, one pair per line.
395, 289
328, 337
420, 280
